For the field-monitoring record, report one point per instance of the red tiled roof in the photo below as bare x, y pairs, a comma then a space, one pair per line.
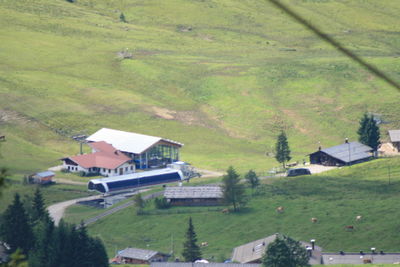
101, 159
102, 146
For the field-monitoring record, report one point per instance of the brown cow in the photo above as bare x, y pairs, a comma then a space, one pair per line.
314, 220
349, 227
280, 209
225, 211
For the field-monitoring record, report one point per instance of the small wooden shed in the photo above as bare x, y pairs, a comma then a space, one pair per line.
42, 177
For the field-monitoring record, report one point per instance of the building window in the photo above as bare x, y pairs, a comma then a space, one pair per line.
126, 169
104, 169
131, 168
109, 171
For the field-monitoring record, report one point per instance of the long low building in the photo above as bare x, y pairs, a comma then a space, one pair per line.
193, 195
348, 153
140, 179
361, 258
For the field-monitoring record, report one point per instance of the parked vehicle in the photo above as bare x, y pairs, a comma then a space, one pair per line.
298, 171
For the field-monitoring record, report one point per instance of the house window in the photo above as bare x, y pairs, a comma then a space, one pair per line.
104, 169
109, 171
126, 169
131, 168
69, 168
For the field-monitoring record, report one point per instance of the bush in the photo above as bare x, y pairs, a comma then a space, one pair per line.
161, 203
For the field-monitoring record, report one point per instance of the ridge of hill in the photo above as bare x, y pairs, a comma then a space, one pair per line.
223, 77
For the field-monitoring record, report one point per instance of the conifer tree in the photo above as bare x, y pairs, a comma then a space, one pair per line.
122, 17
368, 132
191, 251
282, 150
39, 211
252, 179
232, 189
15, 228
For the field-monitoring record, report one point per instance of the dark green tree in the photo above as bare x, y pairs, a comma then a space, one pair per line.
282, 150
191, 251
122, 17
285, 252
232, 189
139, 202
38, 211
3, 176
43, 253
252, 179
15, 228
368, 132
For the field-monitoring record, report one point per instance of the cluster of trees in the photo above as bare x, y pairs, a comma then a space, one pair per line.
233, 190
31, 232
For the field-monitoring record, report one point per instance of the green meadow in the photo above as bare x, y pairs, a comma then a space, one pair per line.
335, 198
223, 77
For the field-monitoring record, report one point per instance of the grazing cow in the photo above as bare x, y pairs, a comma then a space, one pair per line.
280, 209
225, 211
349, 227
204, 244
358, 218
314, 220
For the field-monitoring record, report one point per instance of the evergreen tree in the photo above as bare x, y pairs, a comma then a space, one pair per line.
3, 176
97, 254
191, 251
39, 211
285, 252
368, 132
252, 178
43, 253
122, 18
15, 229
17, 259
282, 151
232, 189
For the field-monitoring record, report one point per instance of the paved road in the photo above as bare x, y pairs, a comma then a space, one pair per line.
57, 210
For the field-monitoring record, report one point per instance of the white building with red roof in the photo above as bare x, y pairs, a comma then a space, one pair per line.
105, 160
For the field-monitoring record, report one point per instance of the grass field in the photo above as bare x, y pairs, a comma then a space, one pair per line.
334, 198
223, 77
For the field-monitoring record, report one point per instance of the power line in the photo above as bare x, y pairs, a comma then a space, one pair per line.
335, 44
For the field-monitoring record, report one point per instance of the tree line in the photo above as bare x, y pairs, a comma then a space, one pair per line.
35, 241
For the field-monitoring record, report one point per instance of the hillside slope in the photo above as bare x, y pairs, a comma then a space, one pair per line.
223, 77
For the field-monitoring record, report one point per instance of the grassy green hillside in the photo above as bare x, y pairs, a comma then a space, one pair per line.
335, 199
223, 77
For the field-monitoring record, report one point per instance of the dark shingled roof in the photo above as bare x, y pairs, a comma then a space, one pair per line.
179, 192
349, 152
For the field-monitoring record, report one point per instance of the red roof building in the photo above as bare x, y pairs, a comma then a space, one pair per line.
105, 160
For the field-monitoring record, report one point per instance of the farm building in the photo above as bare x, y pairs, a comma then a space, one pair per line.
394, 136
360, 258
348, 153
193, 195
146, 151
42, 177
139, 256
252, 252
105, 160
201, 264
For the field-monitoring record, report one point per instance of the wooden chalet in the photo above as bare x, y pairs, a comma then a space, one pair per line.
193, 195
146, 151
139, 256
348, 153
253, 252
42, 177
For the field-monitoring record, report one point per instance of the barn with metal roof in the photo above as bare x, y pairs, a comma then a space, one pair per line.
145, 150
139, 256
348, 153
394, 136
